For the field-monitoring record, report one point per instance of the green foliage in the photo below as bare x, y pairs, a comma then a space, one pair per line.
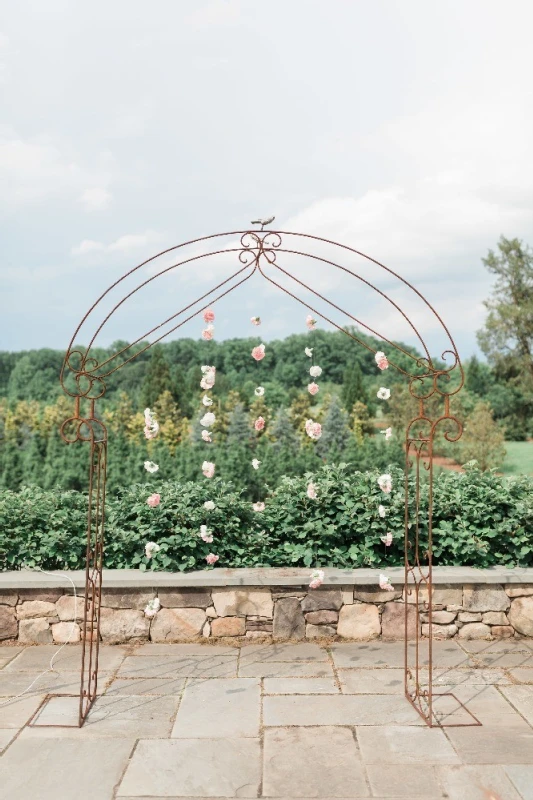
479, 519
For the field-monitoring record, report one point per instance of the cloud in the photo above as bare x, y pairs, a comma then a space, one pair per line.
33, 170
95, 199
124, 244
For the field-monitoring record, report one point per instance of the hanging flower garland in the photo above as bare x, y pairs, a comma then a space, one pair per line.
151, 426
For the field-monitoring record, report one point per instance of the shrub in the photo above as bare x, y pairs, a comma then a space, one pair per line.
479, 519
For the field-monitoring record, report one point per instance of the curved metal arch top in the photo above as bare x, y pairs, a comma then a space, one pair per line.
254, 253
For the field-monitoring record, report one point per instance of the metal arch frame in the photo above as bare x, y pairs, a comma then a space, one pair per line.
258, 251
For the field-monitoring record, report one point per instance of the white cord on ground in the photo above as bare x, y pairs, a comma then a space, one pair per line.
55, 655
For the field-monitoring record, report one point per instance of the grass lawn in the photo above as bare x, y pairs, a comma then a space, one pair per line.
519, 458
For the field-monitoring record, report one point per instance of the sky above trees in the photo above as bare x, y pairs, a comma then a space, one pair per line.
399, 128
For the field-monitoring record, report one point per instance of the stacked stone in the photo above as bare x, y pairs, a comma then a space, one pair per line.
35, 616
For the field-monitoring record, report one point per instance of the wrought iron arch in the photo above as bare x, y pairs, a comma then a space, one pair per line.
257, 251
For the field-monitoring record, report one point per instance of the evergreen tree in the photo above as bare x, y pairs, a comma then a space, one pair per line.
482, 440
335, 432
479, 377
157, 378
353, 388
239, 428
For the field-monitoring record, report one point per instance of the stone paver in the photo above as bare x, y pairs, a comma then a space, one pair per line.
494, 744
270, 720
391, 654
300, 762
60, 769
300, 686
228, 706
393, 744
522, 779
338, 710
15, 712
118, 717
194, 767
286, 669
282, 652
371, 681
208, 665
403, 780
6, 736
522, 699
139, 686
476, 783
35, 659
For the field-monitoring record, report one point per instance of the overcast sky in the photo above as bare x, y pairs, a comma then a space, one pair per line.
402, 129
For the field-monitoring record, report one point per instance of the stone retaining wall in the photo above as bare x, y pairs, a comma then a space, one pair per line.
349, 611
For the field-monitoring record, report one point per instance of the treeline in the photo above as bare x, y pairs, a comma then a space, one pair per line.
167, 377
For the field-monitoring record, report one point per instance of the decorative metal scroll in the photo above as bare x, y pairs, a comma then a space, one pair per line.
83, 378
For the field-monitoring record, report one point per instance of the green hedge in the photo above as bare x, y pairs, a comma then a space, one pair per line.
480, 519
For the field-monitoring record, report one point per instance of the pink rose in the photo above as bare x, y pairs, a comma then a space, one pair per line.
258, 506
317, 579
381, 360
208, 333
310, 322
154, 500
209, 315
313, 388
387, 540
211, 558
256, 320
313, 429
385, 584
208, 468
258, 352
206, 436
259, 424
311, 491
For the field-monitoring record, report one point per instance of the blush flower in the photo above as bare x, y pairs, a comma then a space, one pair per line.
258, 352
311, 491
310, 322
209, 505
150, 548
208, 468
206, 535
207, 400
255, 463
258, 506
385, 483
206, 436
313, 388
150, 466
381, 360
317, 579
256, 320
385, 584
259, 424
382, 511
259, 391
383, 393
209, 315
152, 607
208, 420
309, 352
387, 540
387, 433
151, 426
211, 558
154, 500
313, 429
315, 372
208, 333
208, 380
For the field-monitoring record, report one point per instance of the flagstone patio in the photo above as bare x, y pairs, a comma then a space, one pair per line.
279, 721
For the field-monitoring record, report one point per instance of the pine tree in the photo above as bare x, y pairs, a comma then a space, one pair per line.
353, 388
483, 440
157, 378
335, 432
239, 428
